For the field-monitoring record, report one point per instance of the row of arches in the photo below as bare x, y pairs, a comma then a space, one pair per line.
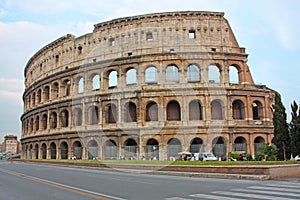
130, 114
130, 149
151, 76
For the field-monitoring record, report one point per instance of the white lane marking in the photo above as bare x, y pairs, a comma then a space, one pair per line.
68, 186
284, 185
273, 189
266, 192
239, 194
177, 198
214, 197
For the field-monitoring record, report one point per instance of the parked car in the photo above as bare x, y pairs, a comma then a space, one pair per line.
297, 158
207, 157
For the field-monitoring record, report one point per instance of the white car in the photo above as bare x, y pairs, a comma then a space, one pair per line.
297, 158
207, 157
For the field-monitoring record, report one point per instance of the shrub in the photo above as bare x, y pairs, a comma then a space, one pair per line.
258, 156
249, 157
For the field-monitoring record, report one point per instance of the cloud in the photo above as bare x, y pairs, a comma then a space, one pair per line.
2, 13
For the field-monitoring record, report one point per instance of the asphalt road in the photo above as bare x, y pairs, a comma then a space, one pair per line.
22, 181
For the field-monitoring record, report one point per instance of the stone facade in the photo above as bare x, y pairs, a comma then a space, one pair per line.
145, 86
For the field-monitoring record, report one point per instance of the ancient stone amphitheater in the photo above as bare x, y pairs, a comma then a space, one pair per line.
147, 86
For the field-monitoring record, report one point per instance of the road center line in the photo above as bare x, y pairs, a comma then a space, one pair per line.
68, 188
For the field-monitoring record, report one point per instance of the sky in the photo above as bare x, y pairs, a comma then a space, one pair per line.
268, 29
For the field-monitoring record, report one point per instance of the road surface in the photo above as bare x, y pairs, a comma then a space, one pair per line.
22, 181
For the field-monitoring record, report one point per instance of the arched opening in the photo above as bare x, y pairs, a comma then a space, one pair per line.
151, 75
151, 111
240, 145
53, 120
110, 150
96, 82
64, 150
39, 96
257, 110
36, 149
152, 150
33, 99
30, 151
44, 121
54, 91
64, 118
174, 147
66, 87
46, 93
112, 114
233, 75
131, 77
113, 79
78, 116
130, 112
52, 150
77, 150
193, 73
238, 110
172, 74
214, 74
31, 124
195, 110
219, 147
173, 111
80, 85
130, 149
44, 151
93, 115
217, 110
92, 150
259, 142
37, 123
196, 145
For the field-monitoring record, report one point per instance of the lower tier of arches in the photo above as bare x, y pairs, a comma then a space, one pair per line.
149, 147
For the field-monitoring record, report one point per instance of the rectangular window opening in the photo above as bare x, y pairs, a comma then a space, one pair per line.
192, 34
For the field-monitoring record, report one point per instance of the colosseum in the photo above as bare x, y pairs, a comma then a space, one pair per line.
147, 86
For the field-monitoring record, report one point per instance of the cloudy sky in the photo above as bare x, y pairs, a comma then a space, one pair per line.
268, 29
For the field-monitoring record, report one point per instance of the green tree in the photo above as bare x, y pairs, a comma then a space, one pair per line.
295, 129
282, 138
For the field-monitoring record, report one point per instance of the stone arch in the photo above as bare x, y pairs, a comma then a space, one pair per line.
219, 147
259, 142
64, 150
195, 110
110, 150
77, 117
44, 121
37, 123
195, 145
173, 111
44, 151
240, 144
96, 82
111, 114
151, 74
151, 111
93, 115
66, 88
217, 110
53, 150
77, 149
193, 73
131, 74
257, 110
53, 120
238, 109
172, 73
54, 90
152, 149
214, 73
80, 84
36, 151
130, 113
39, 96
93, 149
64, 118
130, 149
112, 78
234, 74
174, 147
46, 93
